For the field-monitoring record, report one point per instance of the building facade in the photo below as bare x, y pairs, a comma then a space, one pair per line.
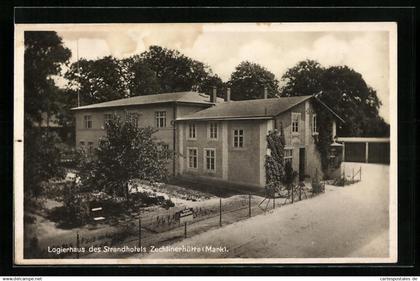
156, 111
228, 141
212, 138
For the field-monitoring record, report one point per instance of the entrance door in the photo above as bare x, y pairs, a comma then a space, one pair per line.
301, 164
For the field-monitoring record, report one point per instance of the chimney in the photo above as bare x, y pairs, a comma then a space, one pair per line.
265, 93
227, 94
213, 97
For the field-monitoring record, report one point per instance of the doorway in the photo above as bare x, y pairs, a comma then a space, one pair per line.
301, 164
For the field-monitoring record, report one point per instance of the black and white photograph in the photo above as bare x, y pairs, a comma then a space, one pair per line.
198, 143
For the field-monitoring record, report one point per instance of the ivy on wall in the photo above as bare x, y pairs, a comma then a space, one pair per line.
324, 138
274, 161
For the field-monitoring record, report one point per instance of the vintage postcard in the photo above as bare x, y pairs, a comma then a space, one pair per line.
205, 143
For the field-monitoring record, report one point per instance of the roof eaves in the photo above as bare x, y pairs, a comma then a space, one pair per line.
293, 105
225, 118
329, 109
88, 107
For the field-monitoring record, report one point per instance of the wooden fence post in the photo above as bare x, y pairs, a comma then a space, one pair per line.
220, 211
249, 206
77, 244
292, 194
300, 193
185, 230
140, 231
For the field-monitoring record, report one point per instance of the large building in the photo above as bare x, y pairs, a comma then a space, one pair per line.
215, 138
158, 111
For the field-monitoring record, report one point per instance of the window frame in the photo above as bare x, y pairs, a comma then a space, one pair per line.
205, 160
314, 125
87, 121
213, 135
192, 125
106, 120
288, 157
159, 116
240, 137
298, 117
189, 155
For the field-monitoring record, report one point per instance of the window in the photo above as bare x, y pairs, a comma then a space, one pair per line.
107, 118
192, 133
192, 158
314, 125
133, 118
210, 159
238, 138
295, 122
288, 155
88, 121
212, 131
160, 119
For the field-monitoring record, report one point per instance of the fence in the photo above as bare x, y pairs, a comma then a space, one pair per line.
145, 229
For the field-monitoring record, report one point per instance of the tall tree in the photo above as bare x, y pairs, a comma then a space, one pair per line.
174, 71
249, 79
211, 81
43, 58
97, 80
141, 79
344, 90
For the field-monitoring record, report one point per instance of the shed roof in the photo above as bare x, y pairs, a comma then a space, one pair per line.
181, 97
261, 108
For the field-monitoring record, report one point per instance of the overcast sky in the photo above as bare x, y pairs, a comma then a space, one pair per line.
223, 46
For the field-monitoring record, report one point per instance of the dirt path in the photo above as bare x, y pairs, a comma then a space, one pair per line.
349, 221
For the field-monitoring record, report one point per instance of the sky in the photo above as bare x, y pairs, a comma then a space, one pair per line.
277, 47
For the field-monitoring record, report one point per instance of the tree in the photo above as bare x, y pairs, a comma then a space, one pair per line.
344, 90
43, 58
126, 153
210, 82
175, 71
97, 80
248, 82
304, 79
141, 79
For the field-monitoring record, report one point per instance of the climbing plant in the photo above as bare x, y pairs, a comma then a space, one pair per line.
324, 138
274, 161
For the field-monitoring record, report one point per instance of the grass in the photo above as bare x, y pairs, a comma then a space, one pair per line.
216, 188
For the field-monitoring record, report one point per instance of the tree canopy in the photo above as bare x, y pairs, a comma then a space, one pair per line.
344, 90
43, 58
127, 152
97, 80
157, 70
248, 82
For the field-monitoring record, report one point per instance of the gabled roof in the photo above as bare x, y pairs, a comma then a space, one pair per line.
181, 97
255, 109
